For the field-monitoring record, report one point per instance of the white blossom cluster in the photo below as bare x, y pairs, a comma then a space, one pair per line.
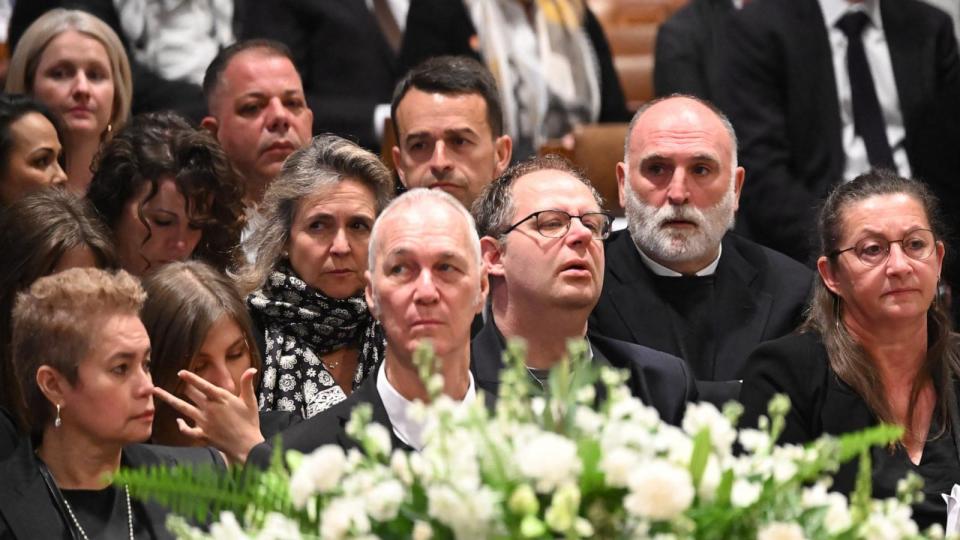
571, 471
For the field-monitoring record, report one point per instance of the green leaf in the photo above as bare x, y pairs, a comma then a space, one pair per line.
700, 455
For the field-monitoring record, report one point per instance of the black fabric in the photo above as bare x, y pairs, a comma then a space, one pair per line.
438, 27
658, 379
759, 295
346, 64
692, 300
9, 436
797, 365
28, 509
90, 506
776, 82
867, 114
301, 325
685, 56
273, 422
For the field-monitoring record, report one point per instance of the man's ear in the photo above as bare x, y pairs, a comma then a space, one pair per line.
396, 163
492, 252
621, 181
484, 289
53, 385
210, 124
503, 147
371, 298
828, 275
738, 176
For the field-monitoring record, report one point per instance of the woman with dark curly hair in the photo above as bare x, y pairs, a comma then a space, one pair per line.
168, 193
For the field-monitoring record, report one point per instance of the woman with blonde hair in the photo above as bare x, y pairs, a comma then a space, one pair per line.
75, 64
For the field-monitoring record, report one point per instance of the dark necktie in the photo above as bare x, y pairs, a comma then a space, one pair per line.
867, 115
388, 24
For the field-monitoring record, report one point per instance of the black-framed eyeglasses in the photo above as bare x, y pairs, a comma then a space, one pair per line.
556, 223
917, 244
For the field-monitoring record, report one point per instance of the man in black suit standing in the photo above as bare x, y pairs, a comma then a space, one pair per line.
543, 229
823, 90
677, 280
426, 281
685, 57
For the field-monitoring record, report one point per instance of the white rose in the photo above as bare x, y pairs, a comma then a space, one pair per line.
343, 517
744, 493
384, 500
705, 415
228, 528
549, 460
659, 490
422, 531
319, 472
380, 438
279, 527
617, 465
781, 531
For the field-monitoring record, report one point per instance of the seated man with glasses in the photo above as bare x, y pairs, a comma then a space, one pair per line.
542, 231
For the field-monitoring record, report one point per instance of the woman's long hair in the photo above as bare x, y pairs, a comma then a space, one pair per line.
848, 359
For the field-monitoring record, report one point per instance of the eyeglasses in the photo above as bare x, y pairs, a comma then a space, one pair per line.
918, 244
556, 223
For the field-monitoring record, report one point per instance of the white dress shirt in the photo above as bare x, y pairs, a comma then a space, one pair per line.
881, 68
407, 429
661, 270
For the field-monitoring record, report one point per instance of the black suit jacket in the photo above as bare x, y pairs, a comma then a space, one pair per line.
660, 380
437, 27
328, 427
345, 62
760, 295
685, 58
28, 510
776, 82
798, 366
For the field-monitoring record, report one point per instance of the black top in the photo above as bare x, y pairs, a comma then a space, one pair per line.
91, 507
692, 300
797, 365
9, 437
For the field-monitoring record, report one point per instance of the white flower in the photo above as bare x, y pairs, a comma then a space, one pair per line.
753, 439
469, 515
343, 517
588, 421
319, 472
744, 493
401, 467
617, 465
710, 480
379, 437
384, 500
659, 490
228, 528
549, 460
837, 518
279, 527
781, 531
705, 415
422, 531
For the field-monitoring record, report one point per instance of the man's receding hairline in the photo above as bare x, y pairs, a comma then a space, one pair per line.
262, 50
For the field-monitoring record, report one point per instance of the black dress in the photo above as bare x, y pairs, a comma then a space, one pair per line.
797, 365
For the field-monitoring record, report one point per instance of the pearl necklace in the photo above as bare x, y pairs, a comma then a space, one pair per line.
83, 533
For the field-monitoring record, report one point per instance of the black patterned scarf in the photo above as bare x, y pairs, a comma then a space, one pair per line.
301, 324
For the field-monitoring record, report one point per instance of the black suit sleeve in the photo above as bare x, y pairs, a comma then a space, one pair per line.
777, 206
795, 365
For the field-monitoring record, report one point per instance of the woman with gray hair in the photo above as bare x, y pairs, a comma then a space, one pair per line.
306, 284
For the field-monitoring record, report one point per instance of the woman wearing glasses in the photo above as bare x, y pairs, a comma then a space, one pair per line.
877, 344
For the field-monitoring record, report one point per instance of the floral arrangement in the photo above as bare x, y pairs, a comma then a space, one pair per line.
556, 463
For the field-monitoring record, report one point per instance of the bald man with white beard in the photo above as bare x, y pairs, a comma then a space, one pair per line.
678, 280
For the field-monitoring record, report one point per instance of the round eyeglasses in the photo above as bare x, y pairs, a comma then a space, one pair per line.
917, 244
556, 223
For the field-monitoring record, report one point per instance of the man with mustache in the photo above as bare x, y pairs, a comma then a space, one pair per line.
449, 128
678, 280
257, 110
543, 229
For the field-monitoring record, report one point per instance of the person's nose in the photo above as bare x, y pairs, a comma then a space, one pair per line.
439, 161
278, 119
81, 85
426, 290
578, 232
678, 192
897, 260
144, 383
218, 375
59, 176
184, 241
341, 244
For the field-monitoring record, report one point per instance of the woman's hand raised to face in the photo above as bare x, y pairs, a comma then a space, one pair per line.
228, 422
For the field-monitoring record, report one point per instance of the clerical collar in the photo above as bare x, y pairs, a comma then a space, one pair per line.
662, 270
834, 9
407, 429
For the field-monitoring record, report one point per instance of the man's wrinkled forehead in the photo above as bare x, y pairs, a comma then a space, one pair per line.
680, 123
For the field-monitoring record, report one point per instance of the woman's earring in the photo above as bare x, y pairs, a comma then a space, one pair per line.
836, 311
57, 421
109, 127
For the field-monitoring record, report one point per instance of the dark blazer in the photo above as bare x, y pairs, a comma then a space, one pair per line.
9, 436
798, 366
776, 82
28, 509
658, 379
437, 27
761, 294
685, 58
346, 64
